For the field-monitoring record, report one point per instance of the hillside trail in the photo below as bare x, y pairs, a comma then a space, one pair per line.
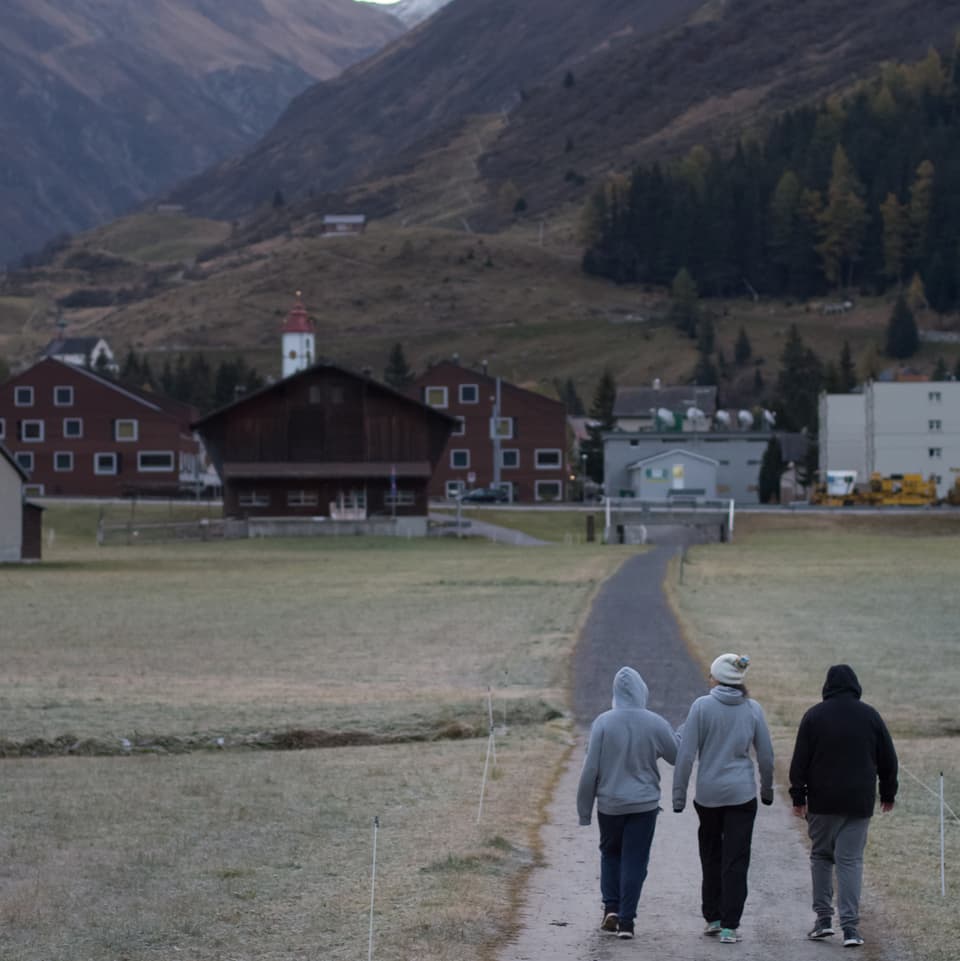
631, 623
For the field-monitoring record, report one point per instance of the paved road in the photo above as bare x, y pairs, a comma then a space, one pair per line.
630, 623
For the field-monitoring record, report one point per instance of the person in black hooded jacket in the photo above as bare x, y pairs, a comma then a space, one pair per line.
843, 749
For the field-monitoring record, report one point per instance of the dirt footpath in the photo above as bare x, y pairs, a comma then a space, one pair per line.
559, 921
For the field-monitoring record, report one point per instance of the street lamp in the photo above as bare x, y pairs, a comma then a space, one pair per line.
583, 478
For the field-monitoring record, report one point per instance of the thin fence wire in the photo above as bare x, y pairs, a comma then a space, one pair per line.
930, 791
373, 886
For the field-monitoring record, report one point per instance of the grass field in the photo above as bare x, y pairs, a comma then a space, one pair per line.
247, 854
799, 598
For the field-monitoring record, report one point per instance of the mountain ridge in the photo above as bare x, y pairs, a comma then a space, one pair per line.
109, 103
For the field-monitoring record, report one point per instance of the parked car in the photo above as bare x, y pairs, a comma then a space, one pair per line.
485, 495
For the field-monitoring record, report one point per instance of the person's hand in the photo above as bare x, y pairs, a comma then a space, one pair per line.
886, 806
799, 810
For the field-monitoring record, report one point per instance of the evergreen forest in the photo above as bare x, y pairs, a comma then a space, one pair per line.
858, 193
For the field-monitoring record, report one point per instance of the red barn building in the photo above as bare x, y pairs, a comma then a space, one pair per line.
76, 433
505, 435
326, 442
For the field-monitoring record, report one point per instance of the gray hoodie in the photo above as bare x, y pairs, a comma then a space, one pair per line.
722, 727
620, 769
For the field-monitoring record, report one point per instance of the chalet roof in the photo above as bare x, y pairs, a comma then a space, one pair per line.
320, 366
672, 453
640, 401
7, 456
285, 470
70, 345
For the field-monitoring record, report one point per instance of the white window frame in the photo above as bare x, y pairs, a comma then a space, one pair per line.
99, 471
117, 427
402, 498
442, 392
476, 393
62, 453
73, 420
33, 490
462, 432
503, 458
453, 455
501, 427
27, 391
3, 428
538, 485
548, 450
302, 498
253, 498
41, 431
66, 403
156, 470
935, 426
25, 458
453, 489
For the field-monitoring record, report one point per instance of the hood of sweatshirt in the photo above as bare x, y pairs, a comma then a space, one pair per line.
629, 690
841, 680
727, 695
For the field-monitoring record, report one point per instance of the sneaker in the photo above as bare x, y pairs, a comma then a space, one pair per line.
851, 938
729, 936
624, 929
822, 929
712, 928
609, 922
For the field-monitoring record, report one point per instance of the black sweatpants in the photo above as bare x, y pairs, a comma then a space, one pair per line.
725, 835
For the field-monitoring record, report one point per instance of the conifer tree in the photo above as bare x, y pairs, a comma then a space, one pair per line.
705, 336
847, 370
771, 470
895, 226
397, 373
4, 370
921, 205
684, 305
130, 372
842, 221
798, 385
940, 370
601, 410
902, 336
742, 349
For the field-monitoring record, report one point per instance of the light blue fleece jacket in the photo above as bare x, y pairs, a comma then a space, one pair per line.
620, 769
721, 728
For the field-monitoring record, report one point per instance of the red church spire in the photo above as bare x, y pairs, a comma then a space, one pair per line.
297, 321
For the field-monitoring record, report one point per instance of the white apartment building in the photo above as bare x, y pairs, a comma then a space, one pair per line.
894, 428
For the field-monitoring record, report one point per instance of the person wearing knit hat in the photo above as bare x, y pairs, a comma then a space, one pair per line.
721, 729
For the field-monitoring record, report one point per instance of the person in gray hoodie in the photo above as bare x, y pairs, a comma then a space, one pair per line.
620, 773
722, 728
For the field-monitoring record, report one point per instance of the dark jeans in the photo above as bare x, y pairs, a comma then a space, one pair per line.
725, 835
625, 841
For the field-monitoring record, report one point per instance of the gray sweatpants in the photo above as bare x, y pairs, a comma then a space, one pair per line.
837, 842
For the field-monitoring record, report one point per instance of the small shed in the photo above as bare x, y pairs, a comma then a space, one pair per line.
14, 513
674, 473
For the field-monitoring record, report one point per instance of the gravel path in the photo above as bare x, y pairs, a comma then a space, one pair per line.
631, 623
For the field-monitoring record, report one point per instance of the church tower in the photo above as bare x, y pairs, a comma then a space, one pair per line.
298, 341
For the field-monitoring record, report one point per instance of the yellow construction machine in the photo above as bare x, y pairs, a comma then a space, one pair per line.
895, 490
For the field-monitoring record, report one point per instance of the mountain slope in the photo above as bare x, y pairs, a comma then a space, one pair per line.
578, 90
105, 102
473, 56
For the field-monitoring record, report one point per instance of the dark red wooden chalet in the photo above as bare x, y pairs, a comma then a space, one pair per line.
325, 442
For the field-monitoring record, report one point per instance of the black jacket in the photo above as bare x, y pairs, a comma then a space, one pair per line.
842, 748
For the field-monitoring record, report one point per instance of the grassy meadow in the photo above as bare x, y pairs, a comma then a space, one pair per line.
798, 596
243, 853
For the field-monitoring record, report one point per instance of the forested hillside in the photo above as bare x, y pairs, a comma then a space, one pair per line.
860, 193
